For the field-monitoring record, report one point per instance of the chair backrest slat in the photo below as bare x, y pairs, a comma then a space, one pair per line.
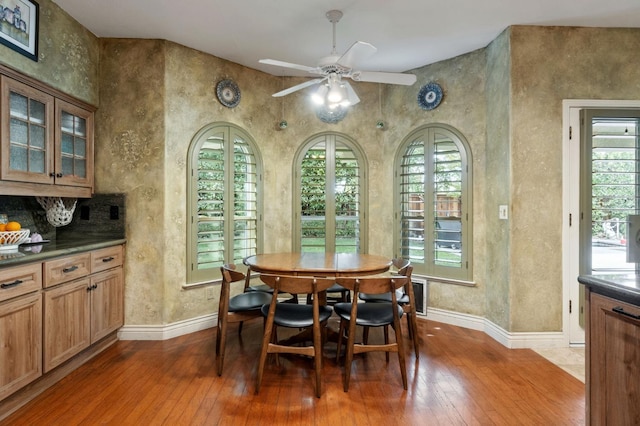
400, 264
230, 274
373, 285
296, 284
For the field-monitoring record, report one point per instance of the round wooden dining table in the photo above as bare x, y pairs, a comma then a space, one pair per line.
319, 264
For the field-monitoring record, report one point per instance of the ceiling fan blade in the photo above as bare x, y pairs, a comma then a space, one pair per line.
287, 65
384, 77
358, 52
298, 87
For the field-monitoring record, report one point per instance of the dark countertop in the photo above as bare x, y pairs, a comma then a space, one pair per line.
56, 248
621, 286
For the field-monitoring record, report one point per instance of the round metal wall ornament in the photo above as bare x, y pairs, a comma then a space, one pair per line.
331, 116
430, 96
228, 93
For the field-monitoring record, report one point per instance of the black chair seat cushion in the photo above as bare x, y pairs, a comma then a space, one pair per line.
296, 316
248, 301
369, 314
260, 287
384, 297
337, 288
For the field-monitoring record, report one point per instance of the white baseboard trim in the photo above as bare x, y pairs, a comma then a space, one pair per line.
473, 322
167, 331
518, 340
515, 340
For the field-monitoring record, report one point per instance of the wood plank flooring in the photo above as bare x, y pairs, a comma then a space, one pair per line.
463, 377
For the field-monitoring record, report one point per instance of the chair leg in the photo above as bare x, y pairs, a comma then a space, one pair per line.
317, 356
413, 326
240, 328
347, 363
365, 335
266, 338
340, 339
221, 340
400, 343
386, 342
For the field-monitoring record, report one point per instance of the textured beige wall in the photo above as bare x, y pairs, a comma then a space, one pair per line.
496, 192
549, 64
156, 95
67, 55
130, 156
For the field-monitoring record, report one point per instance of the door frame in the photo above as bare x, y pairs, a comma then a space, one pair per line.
571, 141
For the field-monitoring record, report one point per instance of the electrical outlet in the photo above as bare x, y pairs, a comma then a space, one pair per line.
503, 211
211, 294
114, 213
84, 212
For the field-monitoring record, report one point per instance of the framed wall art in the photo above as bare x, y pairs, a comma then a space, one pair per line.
19, 26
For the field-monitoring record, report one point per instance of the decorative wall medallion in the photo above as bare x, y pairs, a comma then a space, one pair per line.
331, 116
228, 93
430, 96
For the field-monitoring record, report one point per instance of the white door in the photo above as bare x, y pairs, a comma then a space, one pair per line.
599, 172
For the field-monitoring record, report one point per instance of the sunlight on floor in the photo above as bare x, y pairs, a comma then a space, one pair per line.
571, 360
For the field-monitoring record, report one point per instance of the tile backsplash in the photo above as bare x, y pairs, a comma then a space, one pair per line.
101, 215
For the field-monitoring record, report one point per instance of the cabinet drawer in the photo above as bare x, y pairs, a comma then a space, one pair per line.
106, 258
20, 280
66, 269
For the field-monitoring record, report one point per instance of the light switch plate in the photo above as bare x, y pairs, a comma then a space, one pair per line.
503, 211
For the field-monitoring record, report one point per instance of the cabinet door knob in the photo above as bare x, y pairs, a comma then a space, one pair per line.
59, 175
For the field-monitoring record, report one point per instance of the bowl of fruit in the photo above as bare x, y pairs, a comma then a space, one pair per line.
12, 235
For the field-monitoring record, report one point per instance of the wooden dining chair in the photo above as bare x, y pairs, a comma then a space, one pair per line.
239, 308
406, 300
380, 314
298, 316
249, 287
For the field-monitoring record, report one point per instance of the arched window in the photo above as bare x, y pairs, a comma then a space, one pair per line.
433, 202
330, 196
224, 205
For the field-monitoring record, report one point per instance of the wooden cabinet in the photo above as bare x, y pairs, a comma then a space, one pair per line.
27, 133
74, 145
613, 361
107, 303
46, 142
66, 322
80, 312
20, 327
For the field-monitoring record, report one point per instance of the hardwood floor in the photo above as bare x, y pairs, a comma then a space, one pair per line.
462, 377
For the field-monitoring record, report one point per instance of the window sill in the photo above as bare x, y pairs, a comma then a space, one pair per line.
442, 280
190, 286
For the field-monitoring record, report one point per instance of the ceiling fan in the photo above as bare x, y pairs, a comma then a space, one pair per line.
333, 91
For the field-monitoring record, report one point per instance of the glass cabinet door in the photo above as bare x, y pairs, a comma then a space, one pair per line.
74, 150
27, 133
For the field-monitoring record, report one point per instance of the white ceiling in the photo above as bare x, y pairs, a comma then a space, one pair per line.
408, 33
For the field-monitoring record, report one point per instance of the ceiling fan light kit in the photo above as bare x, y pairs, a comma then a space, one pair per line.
334, 92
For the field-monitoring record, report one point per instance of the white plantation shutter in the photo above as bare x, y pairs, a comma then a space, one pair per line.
329, 198
224, 200
433, 202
